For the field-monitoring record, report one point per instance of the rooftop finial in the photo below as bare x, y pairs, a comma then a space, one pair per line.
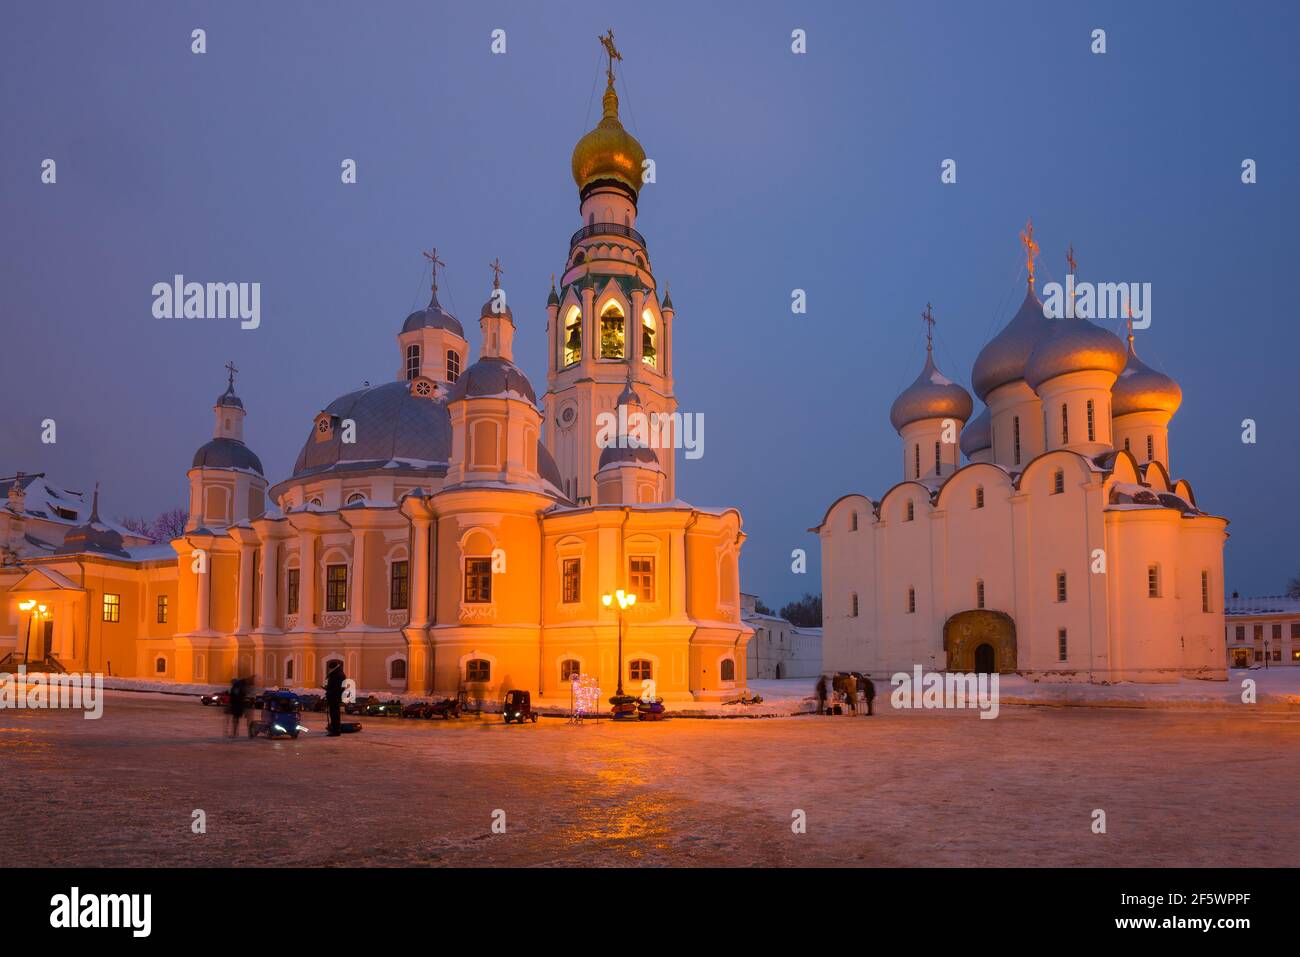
928, 318
1070, 260
230, 368
94, 505
1031, 249
607, 41
495, 266
1129, 323
434, 262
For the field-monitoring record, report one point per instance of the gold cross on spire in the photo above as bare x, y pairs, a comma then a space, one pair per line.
435, 262
495, 266
230, 367
1031, 249
1129, 323
928, 318
607, 41
1069, 258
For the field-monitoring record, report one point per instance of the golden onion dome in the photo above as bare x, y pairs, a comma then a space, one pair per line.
1073, 345
1141, 388
608, 151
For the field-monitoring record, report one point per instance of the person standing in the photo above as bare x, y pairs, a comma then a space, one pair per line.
235, 708
821, 695
334, 679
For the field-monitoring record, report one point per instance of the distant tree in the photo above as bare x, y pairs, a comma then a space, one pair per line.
806, 612
1293, 588
761, 608
170, 524
138, 524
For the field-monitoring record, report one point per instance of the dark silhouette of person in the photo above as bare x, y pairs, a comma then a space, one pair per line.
235, 708
821, 695
334, 679
869, 687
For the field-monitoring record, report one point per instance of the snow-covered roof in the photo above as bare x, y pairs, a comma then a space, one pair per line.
1262, 605
53, 503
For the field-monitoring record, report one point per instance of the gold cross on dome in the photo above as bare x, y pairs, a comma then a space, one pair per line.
1069, 258
230, 367
435, 262
928, 318
1031, 249
495, 266
607, 41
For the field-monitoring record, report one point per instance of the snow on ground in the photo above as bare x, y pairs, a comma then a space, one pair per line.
899, 789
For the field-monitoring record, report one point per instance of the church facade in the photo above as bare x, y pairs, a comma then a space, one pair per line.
1045, 536
443, 531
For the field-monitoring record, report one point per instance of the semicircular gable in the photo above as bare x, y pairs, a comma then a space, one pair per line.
1055, 459
871, 507
970, 475
1154, 472
919, 493
1183, 489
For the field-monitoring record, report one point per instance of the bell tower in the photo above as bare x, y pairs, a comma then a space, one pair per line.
607, 325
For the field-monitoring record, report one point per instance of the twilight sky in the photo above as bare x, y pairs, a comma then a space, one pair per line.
775, 171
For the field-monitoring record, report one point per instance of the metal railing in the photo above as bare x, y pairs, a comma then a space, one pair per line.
607, 229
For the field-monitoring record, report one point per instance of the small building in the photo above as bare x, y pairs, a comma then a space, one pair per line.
1262, 631
779, 649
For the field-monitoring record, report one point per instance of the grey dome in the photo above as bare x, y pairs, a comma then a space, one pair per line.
547, 468
629, 395
487, 312
1004, 357
492, 375
226, 454
978, 434
433, 316
391, 423
93, 536
1141, 388
634, 455
1073, 345
229, 399
931, 396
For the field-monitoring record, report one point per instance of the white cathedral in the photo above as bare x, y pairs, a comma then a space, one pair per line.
1062, 549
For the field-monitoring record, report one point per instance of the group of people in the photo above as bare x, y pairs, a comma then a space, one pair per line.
334, 680
840, 694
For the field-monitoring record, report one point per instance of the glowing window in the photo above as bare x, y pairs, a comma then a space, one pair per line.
648, 333
611, 332
573, 336
412, 361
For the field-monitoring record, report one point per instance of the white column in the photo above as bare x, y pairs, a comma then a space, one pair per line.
419, 574
245, 619
203, 605
356, 599
677, 574
270, 575
306, 581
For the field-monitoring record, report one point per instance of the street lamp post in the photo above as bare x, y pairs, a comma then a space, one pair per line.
27, 643
625, 600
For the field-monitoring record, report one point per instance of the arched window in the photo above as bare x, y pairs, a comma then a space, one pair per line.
853, 522
570, 668
911, 511
478, 669
938, 462
1015, 439
1058, 482
572, 347
853, 605
453, 365
288, 669
1151, 449
979, 593
412, 361
160, 665
1092, 422
727, 671
1153, 581
648, 331
611, 332
979, 496
911, 601
1065, 424
356, 497
1061, 592
640, 670
1205, 596
397, 669
916, 461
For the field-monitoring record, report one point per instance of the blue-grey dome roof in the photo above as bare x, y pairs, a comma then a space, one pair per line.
977, 434
492, 375
1141, 388
1073, 345
433, 316
931, 396
226, 454
229, 399
488, 311
636, 455
391, 423
93, 536
1004, 357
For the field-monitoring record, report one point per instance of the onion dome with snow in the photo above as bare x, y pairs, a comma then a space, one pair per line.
978, 434
1073, 345
493, 376
433, 316
1141, 388
931, 396
226, 453
1004, 357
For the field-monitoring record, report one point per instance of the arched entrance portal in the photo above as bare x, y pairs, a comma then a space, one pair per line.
980, 640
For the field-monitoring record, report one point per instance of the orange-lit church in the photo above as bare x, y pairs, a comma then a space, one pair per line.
446, 530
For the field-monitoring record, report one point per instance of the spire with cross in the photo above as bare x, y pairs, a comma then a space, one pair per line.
1031, 249
434, 263
230, 368
607, 41
495, 266
928, 318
